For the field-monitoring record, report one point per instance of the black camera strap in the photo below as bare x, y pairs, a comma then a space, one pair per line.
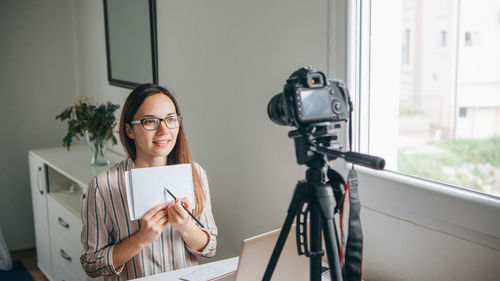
353, 266
353, 249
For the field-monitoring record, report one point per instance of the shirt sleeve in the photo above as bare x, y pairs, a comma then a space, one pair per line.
97, 254
207, 219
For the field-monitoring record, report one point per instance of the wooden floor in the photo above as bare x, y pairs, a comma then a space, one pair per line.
28, 258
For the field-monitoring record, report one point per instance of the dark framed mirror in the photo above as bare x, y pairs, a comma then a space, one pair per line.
131, 49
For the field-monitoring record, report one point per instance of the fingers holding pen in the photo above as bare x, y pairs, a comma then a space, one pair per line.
182, 207
176, 212
184, 201
175, 209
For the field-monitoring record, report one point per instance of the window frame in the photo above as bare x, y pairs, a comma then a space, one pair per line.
462, 213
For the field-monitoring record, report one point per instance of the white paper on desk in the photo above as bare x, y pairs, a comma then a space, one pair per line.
206, 273
146, 187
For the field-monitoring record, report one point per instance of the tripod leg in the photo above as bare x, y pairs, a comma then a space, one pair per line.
326, 201
295, 205
332, 250
316, 251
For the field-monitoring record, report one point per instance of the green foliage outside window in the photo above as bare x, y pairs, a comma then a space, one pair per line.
469, 163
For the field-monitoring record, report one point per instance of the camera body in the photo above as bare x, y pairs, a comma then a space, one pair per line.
309, 99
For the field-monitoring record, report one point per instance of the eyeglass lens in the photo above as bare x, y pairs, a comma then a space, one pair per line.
151, 124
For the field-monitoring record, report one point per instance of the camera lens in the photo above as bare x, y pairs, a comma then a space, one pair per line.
276, 110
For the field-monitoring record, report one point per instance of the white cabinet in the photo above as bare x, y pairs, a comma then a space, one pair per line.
38, 195
58, 185
65, 246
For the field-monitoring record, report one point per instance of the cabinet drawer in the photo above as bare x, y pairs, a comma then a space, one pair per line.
64, 221
66, 256
60, 273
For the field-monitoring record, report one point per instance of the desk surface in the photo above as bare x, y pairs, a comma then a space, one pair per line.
222, 266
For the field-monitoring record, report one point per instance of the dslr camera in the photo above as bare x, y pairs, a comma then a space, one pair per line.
318, 108
309, 99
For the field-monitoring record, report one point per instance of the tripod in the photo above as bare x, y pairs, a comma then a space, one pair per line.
317, 197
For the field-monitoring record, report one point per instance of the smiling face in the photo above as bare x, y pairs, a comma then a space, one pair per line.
153, 147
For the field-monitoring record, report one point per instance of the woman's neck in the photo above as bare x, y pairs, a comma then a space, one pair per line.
150, 162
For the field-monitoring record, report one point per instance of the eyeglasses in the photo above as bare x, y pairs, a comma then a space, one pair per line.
152, 124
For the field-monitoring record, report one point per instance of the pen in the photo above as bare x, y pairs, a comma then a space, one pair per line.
175, 198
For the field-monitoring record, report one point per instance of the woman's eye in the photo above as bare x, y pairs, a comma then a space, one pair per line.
149, 121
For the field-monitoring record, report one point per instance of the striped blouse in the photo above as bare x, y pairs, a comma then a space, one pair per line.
107, 223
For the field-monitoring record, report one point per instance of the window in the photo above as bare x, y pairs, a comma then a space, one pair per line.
442, 38
405, 47
432, 110
471, 38
462, 112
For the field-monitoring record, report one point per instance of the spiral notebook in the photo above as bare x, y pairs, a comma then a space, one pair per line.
145, 187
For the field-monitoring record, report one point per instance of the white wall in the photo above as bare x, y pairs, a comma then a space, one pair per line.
91, 54
225, 60
37, 81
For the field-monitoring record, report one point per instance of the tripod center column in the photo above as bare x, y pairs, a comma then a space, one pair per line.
314, 175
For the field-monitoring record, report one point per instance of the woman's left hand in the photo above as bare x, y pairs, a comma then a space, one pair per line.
177, 216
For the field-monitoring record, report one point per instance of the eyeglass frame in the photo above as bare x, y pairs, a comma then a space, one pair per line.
178, 117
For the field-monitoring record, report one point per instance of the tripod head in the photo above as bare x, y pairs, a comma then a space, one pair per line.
322, 141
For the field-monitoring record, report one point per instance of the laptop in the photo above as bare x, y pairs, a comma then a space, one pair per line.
256, 252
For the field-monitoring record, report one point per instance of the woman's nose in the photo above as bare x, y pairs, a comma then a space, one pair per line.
163, 126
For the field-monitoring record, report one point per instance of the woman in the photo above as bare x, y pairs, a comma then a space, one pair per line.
166, 238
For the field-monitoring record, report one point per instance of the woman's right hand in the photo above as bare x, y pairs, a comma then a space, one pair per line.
153, 223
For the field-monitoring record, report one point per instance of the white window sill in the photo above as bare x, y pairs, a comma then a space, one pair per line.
457, 212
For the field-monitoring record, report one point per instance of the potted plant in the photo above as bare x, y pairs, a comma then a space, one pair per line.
94, 122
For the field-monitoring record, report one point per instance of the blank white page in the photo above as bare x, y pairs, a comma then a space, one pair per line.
147, 186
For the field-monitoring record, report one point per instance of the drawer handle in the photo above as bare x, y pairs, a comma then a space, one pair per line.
39, 180
63, 223
64, 255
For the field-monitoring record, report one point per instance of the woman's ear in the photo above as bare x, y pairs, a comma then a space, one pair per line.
129, 131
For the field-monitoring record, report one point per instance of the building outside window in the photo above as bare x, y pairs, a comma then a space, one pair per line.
433, 109
405, 48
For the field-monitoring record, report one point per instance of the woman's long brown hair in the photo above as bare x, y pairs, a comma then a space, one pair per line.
180, 154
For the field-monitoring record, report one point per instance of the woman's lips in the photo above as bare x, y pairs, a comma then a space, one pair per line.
161, 142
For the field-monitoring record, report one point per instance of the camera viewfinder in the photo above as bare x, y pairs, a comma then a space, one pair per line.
315, 80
